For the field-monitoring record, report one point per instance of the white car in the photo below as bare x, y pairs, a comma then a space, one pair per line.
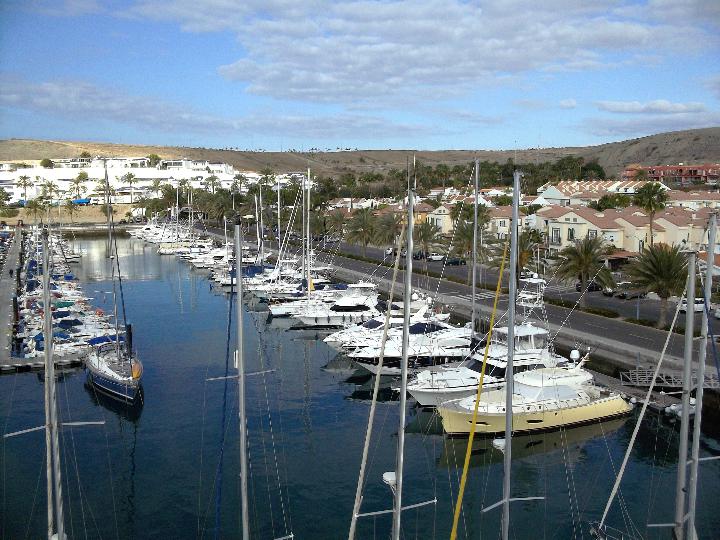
435, 257
697, 307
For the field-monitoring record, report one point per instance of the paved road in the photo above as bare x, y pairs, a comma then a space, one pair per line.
632, 344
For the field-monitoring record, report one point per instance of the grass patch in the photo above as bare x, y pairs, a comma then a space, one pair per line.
646, 322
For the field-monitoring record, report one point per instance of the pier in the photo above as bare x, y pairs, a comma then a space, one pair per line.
8, 295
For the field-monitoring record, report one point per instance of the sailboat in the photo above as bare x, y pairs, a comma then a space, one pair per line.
112, 367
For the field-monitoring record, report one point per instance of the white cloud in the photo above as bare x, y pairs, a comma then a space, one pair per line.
84, 101
367, 50
658, 106
646, 125
568, 103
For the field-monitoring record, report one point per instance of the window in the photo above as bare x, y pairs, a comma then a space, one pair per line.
571, 234
574, 220
641, 245
555, 236
592, 233
502, 222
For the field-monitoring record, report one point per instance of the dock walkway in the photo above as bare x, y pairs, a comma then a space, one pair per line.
8, 289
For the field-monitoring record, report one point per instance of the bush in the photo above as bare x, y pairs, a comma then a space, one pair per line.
9, 212
610, 313
678, 329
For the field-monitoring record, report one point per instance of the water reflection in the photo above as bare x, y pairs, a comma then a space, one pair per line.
138, 260
128, 411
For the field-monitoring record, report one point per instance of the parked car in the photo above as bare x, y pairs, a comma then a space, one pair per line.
456, 261
389, 251
418, 255
591, 286
697, 307
435, 257
626, 291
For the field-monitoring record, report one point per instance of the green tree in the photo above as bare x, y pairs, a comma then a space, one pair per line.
503, 200
211, 183
156, 183
129, 179
652, 197
584, 260
427, 236
78, 182
463, 239
153, 159
661, 269
24, 182
336, 222
47, 163
34, 206
85, 154
70, 208
388, 227
361, 228
50, 189
4, 198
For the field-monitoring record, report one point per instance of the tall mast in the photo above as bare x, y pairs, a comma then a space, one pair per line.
257, 229
695, 451
307, 225
277, 187
108, 208
474, 251
512, 286
397, 507
681, 485
239, 360
262, 230
54, 479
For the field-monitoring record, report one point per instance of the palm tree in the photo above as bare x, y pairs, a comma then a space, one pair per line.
662, 269
156, 186
211, 183
361, 228
583, 260
651, 198
78, 182
34, 206
427, 235
24, 182
50, 189
129, 179
463, 242
71, 208
336, 222
388, 227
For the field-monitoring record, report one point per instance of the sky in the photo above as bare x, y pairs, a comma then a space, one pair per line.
303, 74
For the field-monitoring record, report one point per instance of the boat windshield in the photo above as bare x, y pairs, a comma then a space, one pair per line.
424, 328
372, 323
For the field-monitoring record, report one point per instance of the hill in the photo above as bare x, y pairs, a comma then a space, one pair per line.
690, 146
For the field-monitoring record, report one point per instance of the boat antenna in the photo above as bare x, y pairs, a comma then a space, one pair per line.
240, 364
397, 508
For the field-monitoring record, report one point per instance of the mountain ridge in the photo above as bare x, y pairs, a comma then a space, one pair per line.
694, 146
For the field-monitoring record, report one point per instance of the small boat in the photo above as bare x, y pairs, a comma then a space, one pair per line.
112, 370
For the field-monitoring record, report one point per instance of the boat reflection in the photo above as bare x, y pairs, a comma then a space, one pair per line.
365, 385
567, 444
129, 411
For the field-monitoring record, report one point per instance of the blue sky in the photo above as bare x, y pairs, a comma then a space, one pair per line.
424, 74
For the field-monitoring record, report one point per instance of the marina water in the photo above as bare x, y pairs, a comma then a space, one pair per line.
169, 469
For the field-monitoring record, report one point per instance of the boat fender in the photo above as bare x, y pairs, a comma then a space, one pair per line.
328, 319
99, 312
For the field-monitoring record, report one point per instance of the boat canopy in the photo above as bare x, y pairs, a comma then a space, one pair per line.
100, 340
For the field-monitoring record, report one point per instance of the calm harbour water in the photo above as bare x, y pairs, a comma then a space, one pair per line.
170, 468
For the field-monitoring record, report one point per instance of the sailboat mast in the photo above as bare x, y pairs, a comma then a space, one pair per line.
257, 229
512, 286
307, 225
108, 208
262, 230
240, 361
474, 252
681, 485
54, 479
277, 187
397, 507
695, 451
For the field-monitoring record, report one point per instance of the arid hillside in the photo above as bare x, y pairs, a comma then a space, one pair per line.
691, 146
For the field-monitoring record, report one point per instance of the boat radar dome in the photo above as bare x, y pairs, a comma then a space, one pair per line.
574, 355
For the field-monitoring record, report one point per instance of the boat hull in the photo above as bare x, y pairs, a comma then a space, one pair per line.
123, 391
458, 421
